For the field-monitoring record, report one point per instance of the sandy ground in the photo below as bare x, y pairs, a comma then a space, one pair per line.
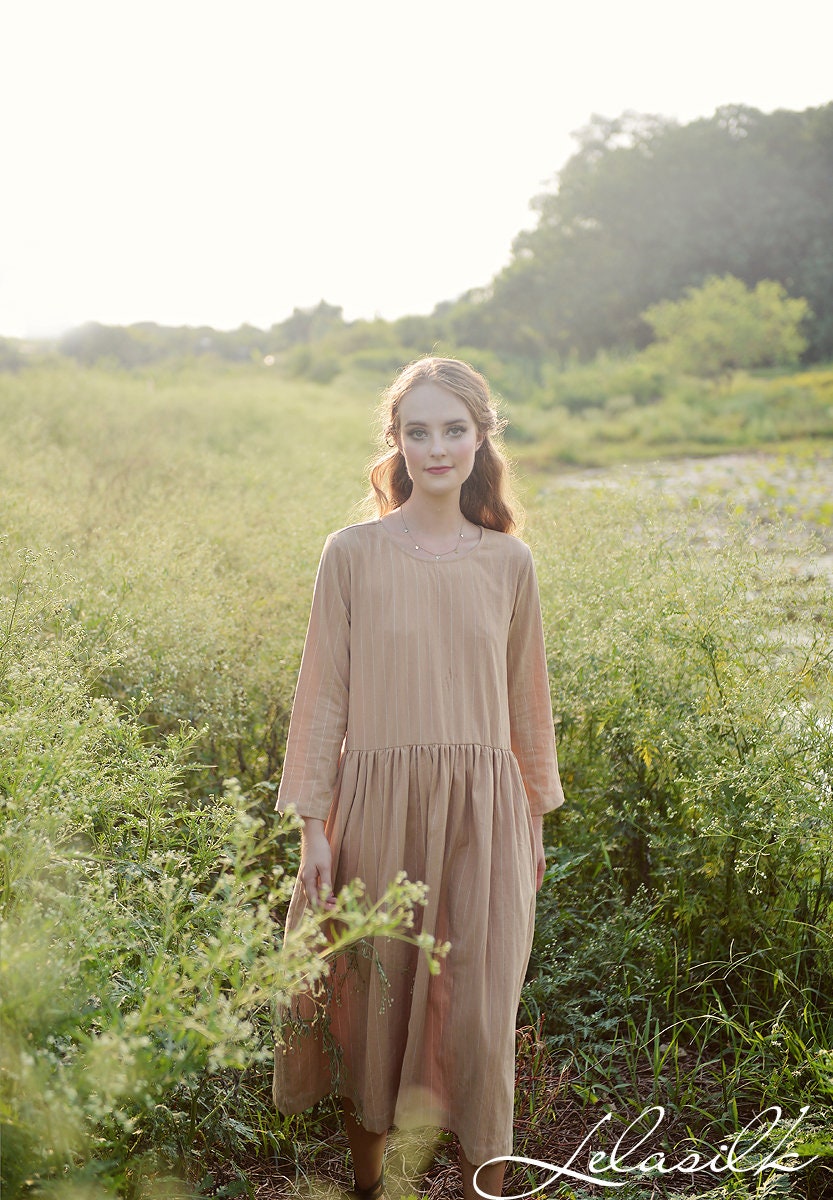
786, 501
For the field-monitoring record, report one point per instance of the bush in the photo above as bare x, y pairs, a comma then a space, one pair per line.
140, 955
310, 362
692, 677
723, 326
11, 358
382, 360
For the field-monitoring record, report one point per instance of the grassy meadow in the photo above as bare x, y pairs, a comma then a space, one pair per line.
161, 530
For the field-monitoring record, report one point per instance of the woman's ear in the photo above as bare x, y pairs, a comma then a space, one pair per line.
392, 440
480, 442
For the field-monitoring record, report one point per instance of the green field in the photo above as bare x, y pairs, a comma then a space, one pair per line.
161, 530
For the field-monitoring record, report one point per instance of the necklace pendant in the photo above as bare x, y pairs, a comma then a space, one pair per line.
425, 549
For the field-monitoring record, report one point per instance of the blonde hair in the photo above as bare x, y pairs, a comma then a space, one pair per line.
485, 497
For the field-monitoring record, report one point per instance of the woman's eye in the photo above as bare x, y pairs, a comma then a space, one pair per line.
420, 434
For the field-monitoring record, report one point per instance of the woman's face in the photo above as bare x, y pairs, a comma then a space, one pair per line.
438, 438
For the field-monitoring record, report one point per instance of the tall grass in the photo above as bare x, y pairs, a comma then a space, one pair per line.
193, 507
149, 642
684, 948
615, 411
140, 954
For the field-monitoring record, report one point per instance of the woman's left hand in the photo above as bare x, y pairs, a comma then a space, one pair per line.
540, 857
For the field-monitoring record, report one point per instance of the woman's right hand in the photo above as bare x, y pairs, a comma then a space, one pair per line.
316, 864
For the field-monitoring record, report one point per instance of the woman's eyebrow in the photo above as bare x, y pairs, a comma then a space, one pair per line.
456, 421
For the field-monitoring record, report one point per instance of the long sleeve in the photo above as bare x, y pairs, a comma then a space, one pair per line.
319, 714
530, 704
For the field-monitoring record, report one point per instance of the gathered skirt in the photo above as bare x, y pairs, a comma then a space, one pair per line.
408, 1047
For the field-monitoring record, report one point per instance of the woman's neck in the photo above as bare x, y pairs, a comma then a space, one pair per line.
434, 517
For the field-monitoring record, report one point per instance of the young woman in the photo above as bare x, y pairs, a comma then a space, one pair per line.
421, 739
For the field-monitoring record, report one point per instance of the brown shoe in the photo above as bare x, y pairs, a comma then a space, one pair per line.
376, 1192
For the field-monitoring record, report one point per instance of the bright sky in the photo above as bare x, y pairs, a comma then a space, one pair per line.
199, 161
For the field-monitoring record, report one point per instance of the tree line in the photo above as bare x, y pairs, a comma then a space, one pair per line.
644, 211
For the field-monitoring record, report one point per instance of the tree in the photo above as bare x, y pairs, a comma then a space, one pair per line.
723, 326
308, 324
647, 208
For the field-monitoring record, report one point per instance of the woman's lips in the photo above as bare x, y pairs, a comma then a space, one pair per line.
437, 470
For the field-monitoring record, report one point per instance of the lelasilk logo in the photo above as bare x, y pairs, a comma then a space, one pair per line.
750, 1153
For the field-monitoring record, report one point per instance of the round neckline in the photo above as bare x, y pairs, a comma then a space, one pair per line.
450, 558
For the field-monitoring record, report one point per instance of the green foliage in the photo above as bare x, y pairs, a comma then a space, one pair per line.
146, 343
307, 325
312, 363
723, 326
418, 332
610, 411
11, 358
694, 707
140, 953
193, 505
683, 951
683, 942
647, 207
614, 384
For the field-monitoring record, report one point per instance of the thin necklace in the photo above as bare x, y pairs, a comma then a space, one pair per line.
456, 549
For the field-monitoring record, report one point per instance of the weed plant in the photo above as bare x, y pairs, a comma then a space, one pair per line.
141, 959
193, 506
148, 657
683, 945
624, 410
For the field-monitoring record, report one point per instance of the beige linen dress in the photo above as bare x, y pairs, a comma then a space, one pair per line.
422, 734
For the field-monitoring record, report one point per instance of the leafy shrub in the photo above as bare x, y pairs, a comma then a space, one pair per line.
693, 696
141, 958
11, 358
591, 386
385, 360
644, 381
194, 505
724, 325
310, 362
579, 389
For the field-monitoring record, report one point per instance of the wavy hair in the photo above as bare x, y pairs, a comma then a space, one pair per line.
486, 496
